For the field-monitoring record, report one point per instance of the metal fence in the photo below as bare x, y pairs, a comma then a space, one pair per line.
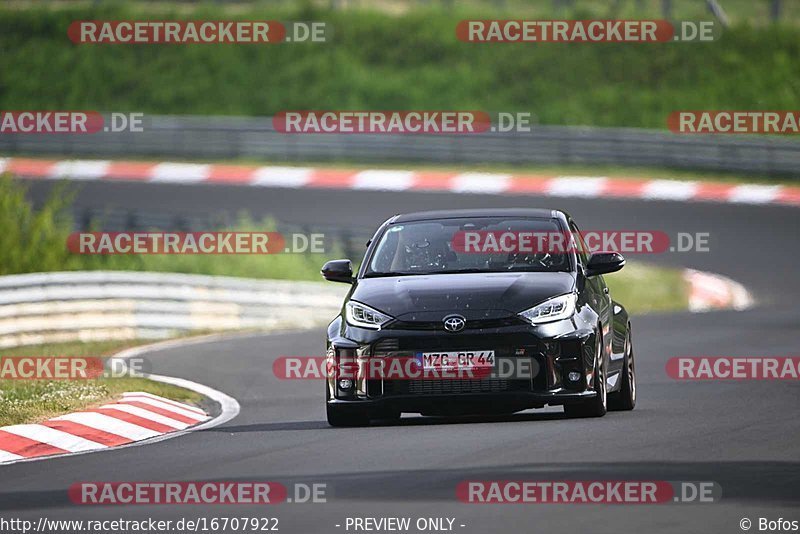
255, 138
68, 306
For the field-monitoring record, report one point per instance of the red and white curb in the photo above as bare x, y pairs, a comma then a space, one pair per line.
134, 417
709, 292
399, 180
137, 418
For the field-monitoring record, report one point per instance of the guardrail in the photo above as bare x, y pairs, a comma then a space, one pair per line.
101, 305
239, 137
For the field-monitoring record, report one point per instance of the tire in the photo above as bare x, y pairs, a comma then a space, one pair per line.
625, 398
345, 417
597, 406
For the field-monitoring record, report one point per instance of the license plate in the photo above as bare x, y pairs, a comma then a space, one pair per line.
455, 360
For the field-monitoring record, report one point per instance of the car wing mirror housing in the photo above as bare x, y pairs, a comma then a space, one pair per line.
338, 271
604, 263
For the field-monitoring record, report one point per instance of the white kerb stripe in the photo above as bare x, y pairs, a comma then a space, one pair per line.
709, 283
180, 172
383, 180
281, 176
80, 169
147, 414
111, 425
576, 186
165, 406
754, 194
479, 182
56, 438
163, 399
9, 457
3, 165
669, 190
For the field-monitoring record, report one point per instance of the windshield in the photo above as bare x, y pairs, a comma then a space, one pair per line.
437, 247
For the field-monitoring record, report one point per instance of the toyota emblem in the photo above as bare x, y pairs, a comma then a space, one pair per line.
454, 323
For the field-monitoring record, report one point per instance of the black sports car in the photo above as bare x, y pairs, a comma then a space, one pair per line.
495, 328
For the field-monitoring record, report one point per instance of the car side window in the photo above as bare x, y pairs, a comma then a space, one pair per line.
583, 255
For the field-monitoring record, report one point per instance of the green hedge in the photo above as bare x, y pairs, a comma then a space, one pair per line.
35, 240
379, 61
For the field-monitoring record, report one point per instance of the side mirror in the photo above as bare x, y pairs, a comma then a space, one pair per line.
338, 271
604, 263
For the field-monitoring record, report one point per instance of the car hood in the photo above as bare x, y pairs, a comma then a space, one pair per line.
461, 293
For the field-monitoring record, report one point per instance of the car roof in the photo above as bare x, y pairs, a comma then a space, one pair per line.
473, 213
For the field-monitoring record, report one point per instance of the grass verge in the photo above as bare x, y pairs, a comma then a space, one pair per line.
31, 401
644, 288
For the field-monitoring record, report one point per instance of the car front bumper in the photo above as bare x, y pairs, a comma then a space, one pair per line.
499, 402
550, 354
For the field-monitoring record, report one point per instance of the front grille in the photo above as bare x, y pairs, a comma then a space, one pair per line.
453, 386
438, 326
506, 347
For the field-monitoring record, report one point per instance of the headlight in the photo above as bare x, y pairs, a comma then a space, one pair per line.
361, 315
552, 309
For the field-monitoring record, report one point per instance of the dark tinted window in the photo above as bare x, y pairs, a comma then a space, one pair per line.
445, 246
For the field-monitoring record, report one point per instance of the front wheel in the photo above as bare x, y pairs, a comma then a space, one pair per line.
625, 398
596, 406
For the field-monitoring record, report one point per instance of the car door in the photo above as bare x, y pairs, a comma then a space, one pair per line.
595, 288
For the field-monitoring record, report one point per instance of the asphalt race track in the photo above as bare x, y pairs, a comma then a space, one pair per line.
742, 435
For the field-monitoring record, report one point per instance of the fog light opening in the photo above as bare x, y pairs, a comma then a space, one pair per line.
574, 376
345, 383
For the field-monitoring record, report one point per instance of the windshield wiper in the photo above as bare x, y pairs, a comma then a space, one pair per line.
424, 273
387, 274
460, 271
